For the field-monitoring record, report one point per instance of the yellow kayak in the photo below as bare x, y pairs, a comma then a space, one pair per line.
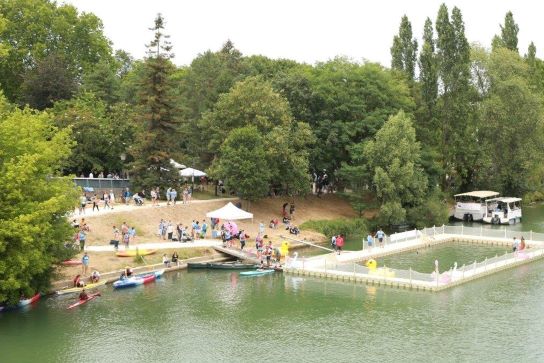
133, 253
73, 290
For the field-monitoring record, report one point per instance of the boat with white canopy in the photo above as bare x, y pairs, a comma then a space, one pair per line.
471, 206
504, 210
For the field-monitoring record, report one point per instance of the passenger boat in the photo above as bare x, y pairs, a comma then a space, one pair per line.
471, 206
134, 253
134, 281
73, 290
83, 301
504, 210
257, 272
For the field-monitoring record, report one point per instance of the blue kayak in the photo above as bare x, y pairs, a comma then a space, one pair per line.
256, 272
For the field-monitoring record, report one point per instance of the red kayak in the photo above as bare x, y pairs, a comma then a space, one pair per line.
25, 302
83, 301
71, 262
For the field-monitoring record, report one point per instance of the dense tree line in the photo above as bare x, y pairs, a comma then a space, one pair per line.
447, 116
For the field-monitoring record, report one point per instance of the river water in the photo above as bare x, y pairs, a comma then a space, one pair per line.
219, 316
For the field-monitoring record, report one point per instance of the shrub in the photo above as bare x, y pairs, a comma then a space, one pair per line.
345, 226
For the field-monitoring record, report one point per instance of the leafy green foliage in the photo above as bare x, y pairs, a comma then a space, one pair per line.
243, 164
33, 227
404, 49
36, 29
332, 227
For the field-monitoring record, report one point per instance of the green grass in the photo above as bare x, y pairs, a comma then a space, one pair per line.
345, 226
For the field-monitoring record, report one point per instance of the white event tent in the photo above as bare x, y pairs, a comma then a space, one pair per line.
189, 172
229, 212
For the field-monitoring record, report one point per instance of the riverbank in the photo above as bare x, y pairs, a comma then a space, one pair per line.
146, 219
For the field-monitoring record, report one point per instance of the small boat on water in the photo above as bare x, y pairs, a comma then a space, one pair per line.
134, 281
196, 265
158, 274
504, 210
236, 265
83, 301
134, 253
257, 272
73, 290
25, 302
22, 303
471, 206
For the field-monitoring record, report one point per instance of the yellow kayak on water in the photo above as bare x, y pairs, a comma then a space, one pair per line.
73, 290
133, 253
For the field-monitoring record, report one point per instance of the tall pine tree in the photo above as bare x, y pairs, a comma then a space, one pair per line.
151, 166
404, 49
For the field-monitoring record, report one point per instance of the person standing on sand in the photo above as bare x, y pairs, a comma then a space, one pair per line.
173, 196
82, 203
204, 229
95, 200
170, 230
292, 211
242, 237
82, 239
85, 264
261, 228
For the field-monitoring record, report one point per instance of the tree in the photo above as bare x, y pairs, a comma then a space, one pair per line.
349, 103
456, 113
159, 118
428, 74
390, 162
101, 133
287, 152
404, 49
50, 81
103, 82
242, 164
509, 32
251, 102
512, 128
36, 29
34, 199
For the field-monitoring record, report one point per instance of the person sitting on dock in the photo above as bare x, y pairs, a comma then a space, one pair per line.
95, 277
175, 258
165, 260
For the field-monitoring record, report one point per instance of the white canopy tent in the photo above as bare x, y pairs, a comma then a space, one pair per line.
190, 172
177, 165
229, 212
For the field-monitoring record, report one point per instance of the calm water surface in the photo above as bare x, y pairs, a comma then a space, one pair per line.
217, 316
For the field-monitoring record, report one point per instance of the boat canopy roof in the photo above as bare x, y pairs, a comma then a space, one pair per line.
478, 194
504, 200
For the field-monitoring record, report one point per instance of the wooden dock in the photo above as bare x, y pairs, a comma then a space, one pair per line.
238, 254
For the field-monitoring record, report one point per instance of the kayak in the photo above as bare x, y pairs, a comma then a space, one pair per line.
134, 281
197, 265
25, 302
158, 274
256, 272
134, 253
232, 266
83, 301
79, 289
71, 262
